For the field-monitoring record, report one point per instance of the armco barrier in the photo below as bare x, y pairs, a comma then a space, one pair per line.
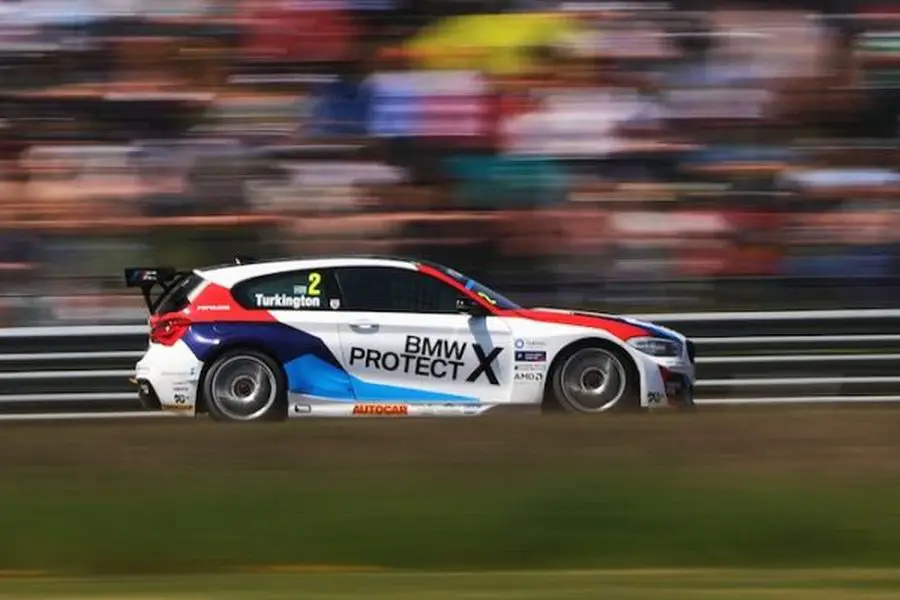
742, 358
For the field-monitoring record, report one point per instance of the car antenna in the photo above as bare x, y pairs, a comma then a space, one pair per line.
243, 259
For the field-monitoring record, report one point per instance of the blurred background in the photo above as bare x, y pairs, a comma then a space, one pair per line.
624, 156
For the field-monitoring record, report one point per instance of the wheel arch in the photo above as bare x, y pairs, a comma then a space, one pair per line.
547, 399
217, 352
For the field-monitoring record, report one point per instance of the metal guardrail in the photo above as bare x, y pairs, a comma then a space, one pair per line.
743, 358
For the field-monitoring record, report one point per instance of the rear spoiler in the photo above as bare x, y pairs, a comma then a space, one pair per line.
147, 278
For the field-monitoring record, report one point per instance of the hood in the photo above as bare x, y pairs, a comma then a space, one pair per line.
622, 327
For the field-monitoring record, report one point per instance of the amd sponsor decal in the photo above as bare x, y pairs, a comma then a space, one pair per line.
430, 357
529, 377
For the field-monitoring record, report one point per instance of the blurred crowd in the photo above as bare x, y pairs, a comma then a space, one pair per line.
639, 156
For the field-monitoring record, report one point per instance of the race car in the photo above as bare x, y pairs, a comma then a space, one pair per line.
381, 336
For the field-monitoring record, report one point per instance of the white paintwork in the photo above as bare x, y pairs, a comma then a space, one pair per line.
174, 372
228, 276
456, 336
452, 337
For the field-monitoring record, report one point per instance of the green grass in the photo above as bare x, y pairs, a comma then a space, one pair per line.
534, 585
736, 489
191, 522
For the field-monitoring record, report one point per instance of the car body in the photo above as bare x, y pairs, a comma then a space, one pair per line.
364, 336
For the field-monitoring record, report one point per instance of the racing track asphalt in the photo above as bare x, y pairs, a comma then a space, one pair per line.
830, 440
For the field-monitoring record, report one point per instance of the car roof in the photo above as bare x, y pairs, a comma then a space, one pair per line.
231, 274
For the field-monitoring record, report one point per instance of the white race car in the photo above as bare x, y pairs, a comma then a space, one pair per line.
371, 336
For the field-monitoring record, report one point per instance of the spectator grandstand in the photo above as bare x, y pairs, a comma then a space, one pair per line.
631, 156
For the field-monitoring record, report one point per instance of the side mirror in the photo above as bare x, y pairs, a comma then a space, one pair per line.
470, 307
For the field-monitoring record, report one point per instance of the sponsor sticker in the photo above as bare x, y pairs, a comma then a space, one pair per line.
434, 358
381, 409
531, 356
184, 375
213, 307
529, 377
444, 409
522, 344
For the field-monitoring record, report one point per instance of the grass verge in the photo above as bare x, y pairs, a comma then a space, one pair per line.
185, 523
840, 584
748, 490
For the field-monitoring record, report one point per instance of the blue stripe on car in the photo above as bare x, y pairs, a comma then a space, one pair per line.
313, 376
309, 364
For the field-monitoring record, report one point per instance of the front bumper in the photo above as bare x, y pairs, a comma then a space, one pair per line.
679, 389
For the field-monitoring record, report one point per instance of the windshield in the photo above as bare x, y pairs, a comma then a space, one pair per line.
481, 290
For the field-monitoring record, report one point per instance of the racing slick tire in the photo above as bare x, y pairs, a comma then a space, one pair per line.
245, 385
593, 378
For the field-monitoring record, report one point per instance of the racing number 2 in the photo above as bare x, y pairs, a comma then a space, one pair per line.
312, 289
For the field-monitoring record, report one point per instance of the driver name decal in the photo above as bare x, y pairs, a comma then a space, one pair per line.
285, 301
434, 358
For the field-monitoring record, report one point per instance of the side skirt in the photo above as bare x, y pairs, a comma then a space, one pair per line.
302, 406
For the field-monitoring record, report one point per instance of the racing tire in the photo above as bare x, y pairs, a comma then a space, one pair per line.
595, 378
245, 385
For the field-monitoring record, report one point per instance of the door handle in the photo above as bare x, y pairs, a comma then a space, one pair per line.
364, 327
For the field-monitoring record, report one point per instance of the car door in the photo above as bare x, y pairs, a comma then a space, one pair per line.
306, 303
404, 340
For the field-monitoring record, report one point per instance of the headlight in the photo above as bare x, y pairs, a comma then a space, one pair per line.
660, 347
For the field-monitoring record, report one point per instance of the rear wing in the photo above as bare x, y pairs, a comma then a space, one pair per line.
148, 278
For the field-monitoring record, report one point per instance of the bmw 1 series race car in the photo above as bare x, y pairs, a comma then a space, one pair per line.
363, 336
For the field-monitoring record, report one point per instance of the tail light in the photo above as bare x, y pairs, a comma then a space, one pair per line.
168, 330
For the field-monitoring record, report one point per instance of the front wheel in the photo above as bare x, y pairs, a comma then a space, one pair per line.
595, 379
245, 385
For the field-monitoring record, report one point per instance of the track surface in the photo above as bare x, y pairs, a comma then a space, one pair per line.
829, 441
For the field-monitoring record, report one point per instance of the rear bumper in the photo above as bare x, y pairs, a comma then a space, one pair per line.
167, 378
147, 395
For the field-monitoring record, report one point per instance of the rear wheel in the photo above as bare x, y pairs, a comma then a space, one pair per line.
595, 379
245, 385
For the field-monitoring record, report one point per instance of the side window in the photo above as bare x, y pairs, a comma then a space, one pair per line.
383, 289
314, 289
